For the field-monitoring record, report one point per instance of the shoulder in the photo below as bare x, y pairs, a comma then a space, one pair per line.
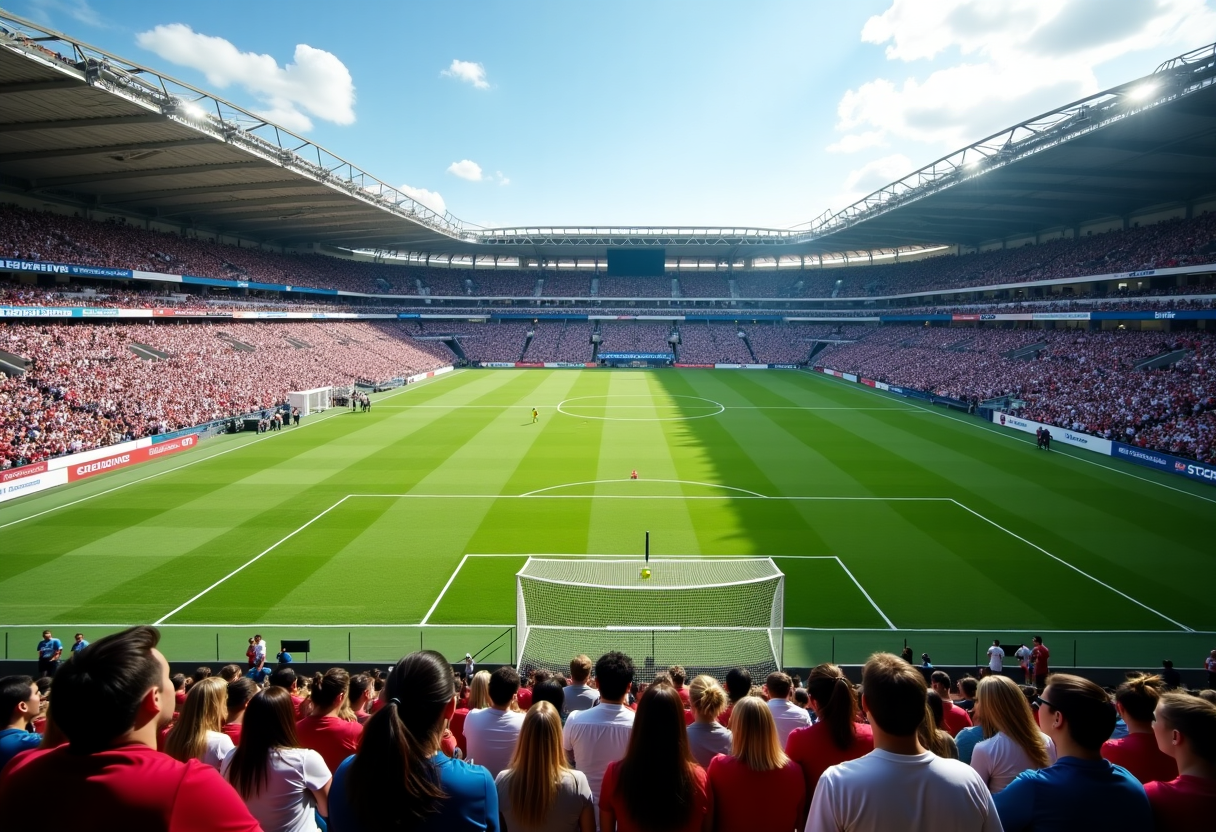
720, 764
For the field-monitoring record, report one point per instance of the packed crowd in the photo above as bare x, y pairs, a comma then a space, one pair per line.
1080, 380
88, 387
706, 343
52, 237
568, 341
631, 336
430, 747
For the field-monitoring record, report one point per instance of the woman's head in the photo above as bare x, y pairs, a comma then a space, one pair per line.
1078, 709
833, 701
1137, 696
655, 780
240, 691
479, 691
329, 689
206, 709
706, 697
537, 764
549, 691
1001, 707
270, 723
1183, 719
753, 734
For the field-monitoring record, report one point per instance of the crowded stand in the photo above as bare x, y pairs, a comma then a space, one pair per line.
704, 286
634, 287
502, 341
631, 336
613, 745
87, 387
706, 343
566, 285
561, 341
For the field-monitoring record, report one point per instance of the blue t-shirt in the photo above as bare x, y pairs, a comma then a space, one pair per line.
966, 740
1074, 794
472, 802
15, 740
77, 646
48, 647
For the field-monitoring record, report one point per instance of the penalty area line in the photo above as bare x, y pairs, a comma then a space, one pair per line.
443, 591
853, 578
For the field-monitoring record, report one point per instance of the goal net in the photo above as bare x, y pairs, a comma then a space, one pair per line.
311, 401
706, 614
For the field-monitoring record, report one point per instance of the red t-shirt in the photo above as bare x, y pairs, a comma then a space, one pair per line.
1183, 804
724, 717
334, 739
447, 743
132, 787
745, 800
683, 691
299, 703
1039, 656
233, 730
812, 748
1139, 754
179, 699
954, 718
456, 726
702, 801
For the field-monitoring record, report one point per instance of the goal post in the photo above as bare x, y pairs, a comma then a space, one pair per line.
706, 614
311, 401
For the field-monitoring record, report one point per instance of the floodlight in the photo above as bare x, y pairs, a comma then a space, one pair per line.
1142, 92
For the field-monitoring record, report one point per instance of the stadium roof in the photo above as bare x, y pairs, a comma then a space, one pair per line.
84, 126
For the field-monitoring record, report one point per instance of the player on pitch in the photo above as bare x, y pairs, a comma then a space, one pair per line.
535, 415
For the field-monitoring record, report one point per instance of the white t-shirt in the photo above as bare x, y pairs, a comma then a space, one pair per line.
999, 760
259, 652
1023, 654
596, 738
579, 698
285, 803
219, 746
490, 736
788, 717
883, 791
996, 659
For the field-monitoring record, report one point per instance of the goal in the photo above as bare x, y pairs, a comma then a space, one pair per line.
311, 401
705, 614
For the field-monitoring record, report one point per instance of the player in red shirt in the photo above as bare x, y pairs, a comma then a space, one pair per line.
1185, 729
1136, 699
323, 730
110, 701
836, 736
756, 786
1039, 655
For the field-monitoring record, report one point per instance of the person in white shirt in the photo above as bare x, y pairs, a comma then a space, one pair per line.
1013, 742
579, 696
491, 733
996, 657
1023, 654
594, 738
788, 716
899, 785
259, 652
284, 786
198, 732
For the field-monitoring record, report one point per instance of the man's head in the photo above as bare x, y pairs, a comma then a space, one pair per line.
940, 682
46, 634
967, 686
120, 684
1038, 642
1077, 708
19, 701
996, 642
893, 694
79, 637
738, 683
504, 684
677, 675
257, 639
580, 669
614, 674
284, 677
778, 686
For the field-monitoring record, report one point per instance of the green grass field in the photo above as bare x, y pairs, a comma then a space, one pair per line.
374, 534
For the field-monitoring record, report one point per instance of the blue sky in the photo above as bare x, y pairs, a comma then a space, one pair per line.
643, 113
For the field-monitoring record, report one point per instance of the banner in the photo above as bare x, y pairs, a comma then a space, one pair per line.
499, 365
849, 377
30, 483
1165, 462
1058, 434
695, 366
113, 462
783, 366
635, 356
882, 385
567, 365
728, 366
62, 268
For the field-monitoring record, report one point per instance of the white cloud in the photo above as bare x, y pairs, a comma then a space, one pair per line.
431, 199
1008, 61
502, 180
873, 175
78, 10
317, 84
468, 71
466, 169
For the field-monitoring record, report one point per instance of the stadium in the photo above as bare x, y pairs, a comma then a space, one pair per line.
251, 388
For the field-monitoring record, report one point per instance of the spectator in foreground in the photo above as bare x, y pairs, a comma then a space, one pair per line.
738, 685
491, 733
19, 705
551, 691
111, 700
283, 785
399, 778
1013, 741
1136, 699
899, 785
786, 714
323, 730
240, 691
1185, 727
579, 696
706, 736
756, 786
657, 785
199, 732
1081, 790
836, 736
538, 791
593, 739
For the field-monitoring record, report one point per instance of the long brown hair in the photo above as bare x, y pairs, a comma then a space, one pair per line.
1194, 718
655, 778
753, 736
1138, 695
393, 783
205, 710
833, 693
1002, 708
327, 687
537, 766
931, 736
270, 724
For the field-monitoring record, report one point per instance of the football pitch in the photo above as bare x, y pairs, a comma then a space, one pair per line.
373, 534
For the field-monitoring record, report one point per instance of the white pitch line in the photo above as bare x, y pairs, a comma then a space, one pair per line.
443, 591
530, 496
249, 562
863, 592
333, 411
629, 479
1074, 568
631, 556
1031, 629
309, 625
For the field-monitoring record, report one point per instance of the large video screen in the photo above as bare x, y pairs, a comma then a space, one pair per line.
635, 262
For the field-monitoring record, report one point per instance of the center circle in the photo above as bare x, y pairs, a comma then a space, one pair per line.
607, 403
